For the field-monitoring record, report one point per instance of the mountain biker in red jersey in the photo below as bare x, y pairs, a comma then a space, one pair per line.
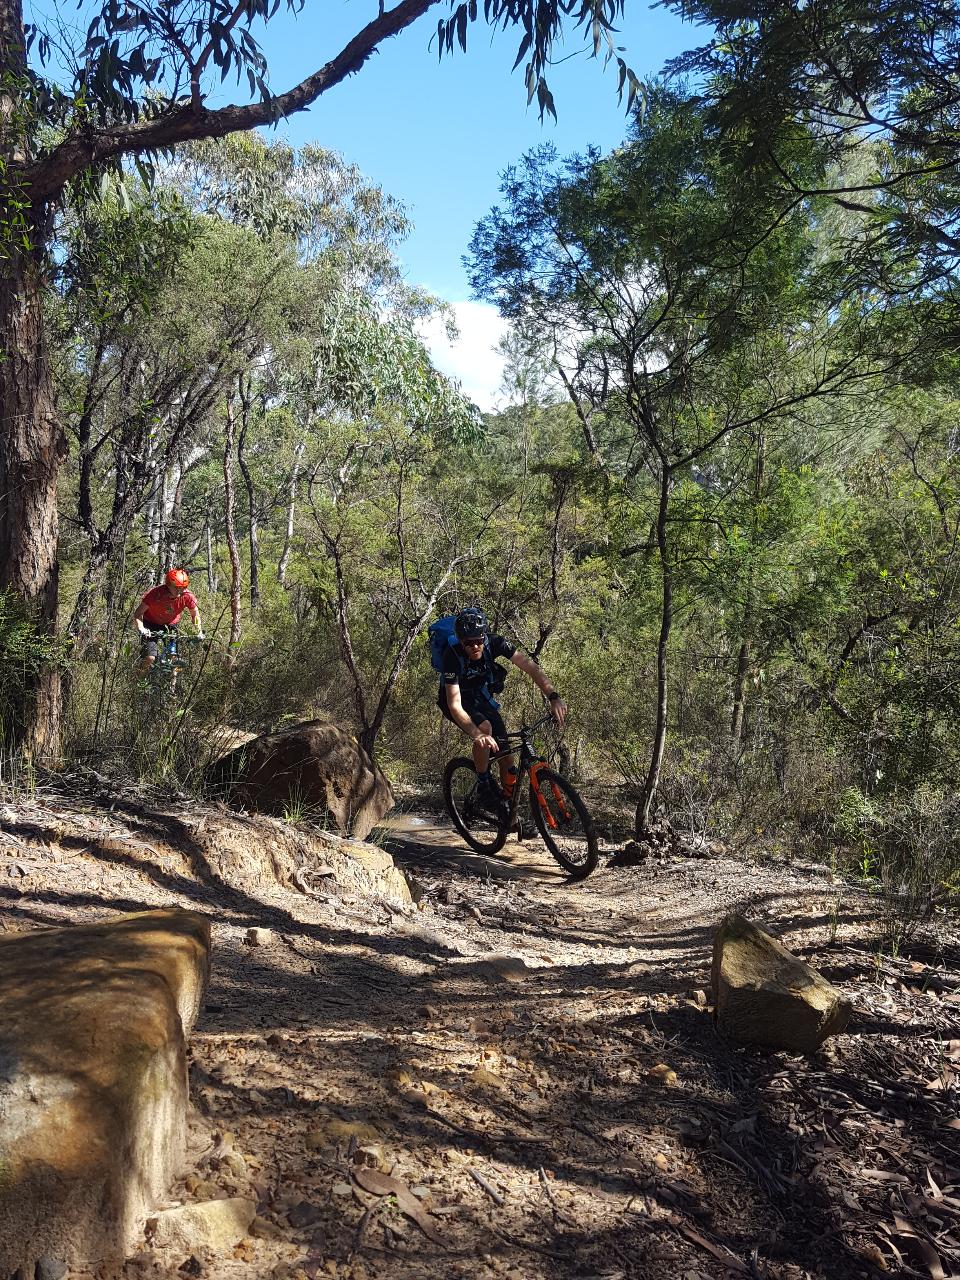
466, 697
160, 610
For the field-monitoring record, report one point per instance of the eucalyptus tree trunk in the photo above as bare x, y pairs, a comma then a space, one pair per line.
91, 589
251, 509
174, 552
291, 510
740, 687
738, 710
652, 781
211, 572
32, 444
231, 532
162, 550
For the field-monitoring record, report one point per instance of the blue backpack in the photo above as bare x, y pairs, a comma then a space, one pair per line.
443, 639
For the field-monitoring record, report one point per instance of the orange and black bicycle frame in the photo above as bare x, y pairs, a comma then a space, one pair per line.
558, 795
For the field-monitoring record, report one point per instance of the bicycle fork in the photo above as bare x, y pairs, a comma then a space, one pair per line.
542, 800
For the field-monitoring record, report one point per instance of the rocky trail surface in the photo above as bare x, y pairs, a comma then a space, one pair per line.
517, 1076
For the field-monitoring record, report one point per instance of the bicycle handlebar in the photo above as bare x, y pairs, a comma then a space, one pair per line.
525, 730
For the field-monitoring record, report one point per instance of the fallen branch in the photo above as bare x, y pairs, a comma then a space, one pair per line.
542, 1175
491, 1191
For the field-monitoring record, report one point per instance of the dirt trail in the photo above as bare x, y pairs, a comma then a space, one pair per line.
504, 1053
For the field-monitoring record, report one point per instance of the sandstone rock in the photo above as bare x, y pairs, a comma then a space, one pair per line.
235, 1163
210, 1227
764, 995
506, 968
313, 767
50, 1269
258, 937
256, 854
93, 1081
416, 888
380, 866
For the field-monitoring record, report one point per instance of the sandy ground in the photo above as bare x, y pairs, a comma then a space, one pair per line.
519, 1077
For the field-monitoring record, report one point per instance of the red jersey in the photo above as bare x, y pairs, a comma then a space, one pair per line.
163, 609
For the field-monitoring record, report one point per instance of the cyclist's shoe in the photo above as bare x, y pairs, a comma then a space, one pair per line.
489, 800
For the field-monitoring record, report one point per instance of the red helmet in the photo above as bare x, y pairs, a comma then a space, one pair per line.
177, 578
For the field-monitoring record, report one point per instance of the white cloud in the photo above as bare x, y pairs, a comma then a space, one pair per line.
473, 360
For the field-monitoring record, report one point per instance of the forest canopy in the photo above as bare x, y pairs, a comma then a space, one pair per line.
720, 501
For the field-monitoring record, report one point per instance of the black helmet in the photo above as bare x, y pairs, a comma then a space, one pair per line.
469, 624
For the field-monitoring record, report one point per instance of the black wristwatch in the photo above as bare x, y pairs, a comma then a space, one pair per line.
554, 697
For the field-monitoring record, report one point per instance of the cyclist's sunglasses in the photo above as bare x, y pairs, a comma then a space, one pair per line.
473, 639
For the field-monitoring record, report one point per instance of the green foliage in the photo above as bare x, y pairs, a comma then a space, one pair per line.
810, 541
907, 845
26, 649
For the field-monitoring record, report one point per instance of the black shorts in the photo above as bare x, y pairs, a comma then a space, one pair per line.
149, 643
478, 712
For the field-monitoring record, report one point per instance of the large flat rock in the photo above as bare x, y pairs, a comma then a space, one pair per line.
93, 1080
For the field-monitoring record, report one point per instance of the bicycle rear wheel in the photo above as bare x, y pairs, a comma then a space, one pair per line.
481, 830
565, 826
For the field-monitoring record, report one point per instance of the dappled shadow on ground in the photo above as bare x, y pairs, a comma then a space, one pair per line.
532, 1105
666, 1158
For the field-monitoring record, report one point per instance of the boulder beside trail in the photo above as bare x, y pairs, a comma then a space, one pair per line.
314, 768
211, 1227
93, 1081
766, 996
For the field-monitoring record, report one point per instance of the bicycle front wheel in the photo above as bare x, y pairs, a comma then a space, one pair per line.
565, 826
481, 830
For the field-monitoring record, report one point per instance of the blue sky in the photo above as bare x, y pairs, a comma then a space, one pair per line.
436, 134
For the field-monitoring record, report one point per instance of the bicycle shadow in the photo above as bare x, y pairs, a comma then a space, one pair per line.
427, 845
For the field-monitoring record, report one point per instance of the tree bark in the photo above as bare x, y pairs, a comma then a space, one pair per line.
291, 509
231, 534
174, 554
251, 503
32, 447
90, 589
666, 623
739, 691
346, 645
32, 444
368, 736
738, 710
211, 574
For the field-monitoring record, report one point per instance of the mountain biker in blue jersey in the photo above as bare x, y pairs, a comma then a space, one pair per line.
467, 685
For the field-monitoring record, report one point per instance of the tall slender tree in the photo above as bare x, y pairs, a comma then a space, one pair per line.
669, 279
136, 83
